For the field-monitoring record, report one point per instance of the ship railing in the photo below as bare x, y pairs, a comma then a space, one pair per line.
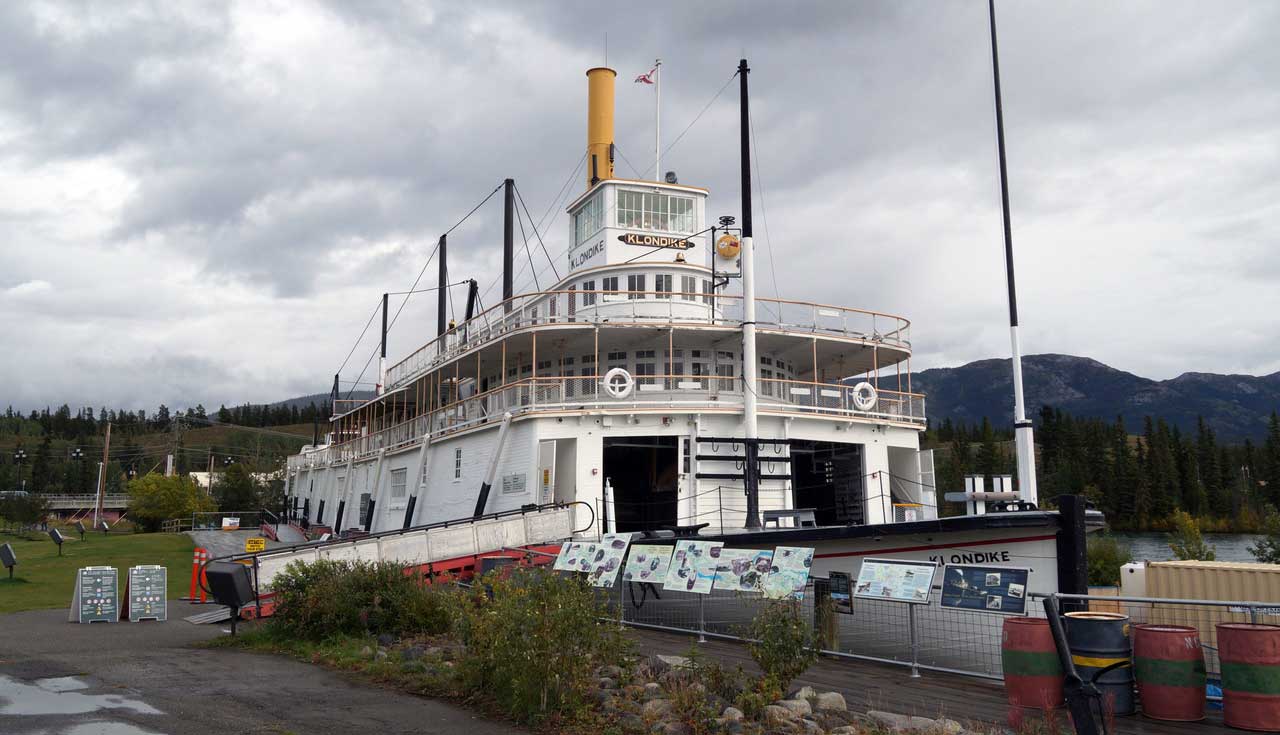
650, 392
622, 308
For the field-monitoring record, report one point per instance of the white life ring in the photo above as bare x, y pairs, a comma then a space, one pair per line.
864, 396
618, 383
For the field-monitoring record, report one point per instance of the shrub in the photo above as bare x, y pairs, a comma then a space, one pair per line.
784, 643
154, 498
1185, 541
534, 643
1106, 556
1267, 548
322, 599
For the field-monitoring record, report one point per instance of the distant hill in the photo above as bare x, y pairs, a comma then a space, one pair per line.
1236, 406
320, 399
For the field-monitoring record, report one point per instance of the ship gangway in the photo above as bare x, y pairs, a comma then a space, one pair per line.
443, 550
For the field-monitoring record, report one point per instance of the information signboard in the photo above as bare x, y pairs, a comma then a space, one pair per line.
96, 597
146, 593
839, 586
230, 523
693, 566
898, 580
607, 561
789, 573
647, 563
1000, 590
743, 570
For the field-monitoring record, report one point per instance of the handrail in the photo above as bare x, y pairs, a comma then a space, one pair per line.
712, 386
513, 309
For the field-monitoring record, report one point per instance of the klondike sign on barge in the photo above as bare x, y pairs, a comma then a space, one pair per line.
651, 384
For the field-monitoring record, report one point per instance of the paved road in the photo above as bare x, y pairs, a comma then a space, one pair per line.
58, 678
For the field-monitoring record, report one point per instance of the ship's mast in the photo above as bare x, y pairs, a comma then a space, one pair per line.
1023, 437
750, 364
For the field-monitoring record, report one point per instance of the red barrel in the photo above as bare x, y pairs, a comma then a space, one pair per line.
1250, 656
1168, 661
1032, 671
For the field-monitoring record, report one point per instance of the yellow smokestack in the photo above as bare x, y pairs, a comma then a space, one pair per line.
599, 124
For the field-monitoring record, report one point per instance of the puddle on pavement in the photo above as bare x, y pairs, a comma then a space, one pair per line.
105, 728
58, 697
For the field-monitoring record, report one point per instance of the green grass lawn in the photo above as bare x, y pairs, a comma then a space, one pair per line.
42, 579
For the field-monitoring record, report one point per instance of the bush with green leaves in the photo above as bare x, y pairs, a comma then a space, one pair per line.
1106, 555
154, 498
321, 599
783, 644
1267, 548
533, 640
1185, 540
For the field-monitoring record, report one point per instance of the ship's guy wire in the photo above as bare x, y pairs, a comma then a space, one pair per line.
537, 234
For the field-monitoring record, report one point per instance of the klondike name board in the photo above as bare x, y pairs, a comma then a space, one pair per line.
96, 597
145, 594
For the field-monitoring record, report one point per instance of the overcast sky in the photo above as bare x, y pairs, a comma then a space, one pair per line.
204, 202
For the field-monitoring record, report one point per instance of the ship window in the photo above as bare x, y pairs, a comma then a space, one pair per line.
662, 284
725, 371
588, 293
639, 210
766, 382
724, 355
766, 361
566, 361
544, 364
707, 291
609, 284
589, 219
688, 287
552, 306
457, 464
399, 479
612, 356
642, 369
588, 359
644, 354
635, 284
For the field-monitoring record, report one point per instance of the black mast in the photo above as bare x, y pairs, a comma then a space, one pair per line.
508, 239
751, 465
442, 293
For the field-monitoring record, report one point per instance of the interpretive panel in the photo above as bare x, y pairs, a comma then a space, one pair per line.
647, 563
900, 580
840, 587
743, 570
789, 573
575, 556
693, 566
1000, 590
607, 561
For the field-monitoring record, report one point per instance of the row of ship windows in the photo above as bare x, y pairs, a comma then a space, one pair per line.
638, 284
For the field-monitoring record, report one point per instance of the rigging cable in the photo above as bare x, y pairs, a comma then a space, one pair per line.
695, 120
537, 234
764, 215
527, 254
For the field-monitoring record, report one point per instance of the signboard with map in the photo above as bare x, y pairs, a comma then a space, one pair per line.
1001, 590
742, 570
898, 580
600, 560
840, 586
789, 573
693, 566
647, 563
96, 597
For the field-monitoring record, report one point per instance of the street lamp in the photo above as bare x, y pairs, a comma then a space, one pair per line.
19, 457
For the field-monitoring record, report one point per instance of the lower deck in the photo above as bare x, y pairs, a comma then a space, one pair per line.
639, 470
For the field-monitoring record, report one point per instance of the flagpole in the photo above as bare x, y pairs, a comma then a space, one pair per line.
657, 120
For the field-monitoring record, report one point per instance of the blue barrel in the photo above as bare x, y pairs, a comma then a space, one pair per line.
1098, 640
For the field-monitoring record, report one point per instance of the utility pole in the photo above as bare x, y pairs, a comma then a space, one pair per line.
102, 477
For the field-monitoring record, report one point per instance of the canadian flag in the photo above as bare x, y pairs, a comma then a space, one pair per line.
646, 78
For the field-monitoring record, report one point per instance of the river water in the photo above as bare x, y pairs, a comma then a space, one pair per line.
1155, 546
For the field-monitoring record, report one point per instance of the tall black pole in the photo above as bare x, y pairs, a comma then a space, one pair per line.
382, 358
750, 363
1024, 440
442, 293
508, 239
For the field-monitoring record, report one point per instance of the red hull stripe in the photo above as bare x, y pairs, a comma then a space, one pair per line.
931, 547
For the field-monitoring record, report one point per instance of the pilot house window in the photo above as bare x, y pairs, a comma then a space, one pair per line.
640, 210
589, 219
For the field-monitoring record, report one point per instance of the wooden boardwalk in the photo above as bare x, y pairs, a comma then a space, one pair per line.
871, 686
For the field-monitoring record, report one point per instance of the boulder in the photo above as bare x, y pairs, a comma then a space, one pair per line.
412, 653
830, 701
631, 723
656, 709
610, 672
675, 728
798, 707
948, 727
386, 639
366, 652
890, 720
607, 683
652, 690
381, 655
733, 714
811, 727
774, 715
804, 692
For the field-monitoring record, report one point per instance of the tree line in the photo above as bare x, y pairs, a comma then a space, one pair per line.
1139, 481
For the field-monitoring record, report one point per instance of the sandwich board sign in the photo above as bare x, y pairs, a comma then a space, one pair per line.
145, 593
96, 596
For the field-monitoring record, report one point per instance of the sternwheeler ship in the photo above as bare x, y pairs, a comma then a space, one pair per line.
652, 387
